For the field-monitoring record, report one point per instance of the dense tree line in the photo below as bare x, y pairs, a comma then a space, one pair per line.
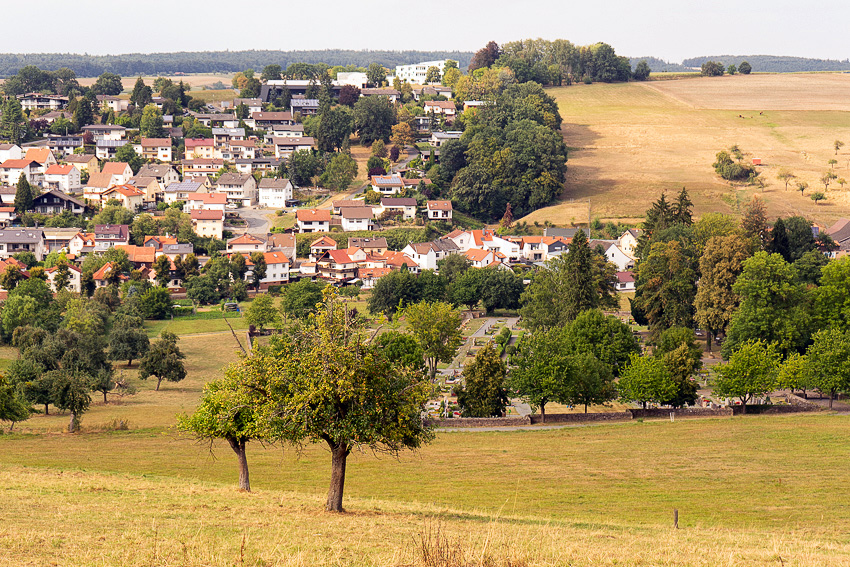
457, 283
213, 61
771, 63
554, 62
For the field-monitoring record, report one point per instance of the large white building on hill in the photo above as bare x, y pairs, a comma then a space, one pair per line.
415, 73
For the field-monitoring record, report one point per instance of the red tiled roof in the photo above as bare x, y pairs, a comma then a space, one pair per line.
140, 254
126, 190
155, 142
340, 257
199, 214
57, 169
196, 142
246, 239
321, 215
275, 258
16, 163
324, 242
208, 198
38, 155
439, 205
114, 167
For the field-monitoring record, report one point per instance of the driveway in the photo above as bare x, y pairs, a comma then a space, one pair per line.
257, 221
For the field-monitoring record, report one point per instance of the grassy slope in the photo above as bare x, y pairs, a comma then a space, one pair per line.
631, 141
749, 490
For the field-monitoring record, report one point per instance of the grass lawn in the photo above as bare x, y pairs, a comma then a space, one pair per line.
749, 491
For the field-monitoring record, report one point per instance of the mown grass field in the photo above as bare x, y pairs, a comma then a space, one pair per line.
631, 141
750, 491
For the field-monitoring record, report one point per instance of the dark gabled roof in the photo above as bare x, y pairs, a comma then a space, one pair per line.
234, 179
22, 236
59, 194
398, 202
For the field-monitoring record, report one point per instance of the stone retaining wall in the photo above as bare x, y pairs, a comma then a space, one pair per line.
480, 422
680, 412
581, 417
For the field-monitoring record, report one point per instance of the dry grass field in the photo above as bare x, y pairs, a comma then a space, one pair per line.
750, 491
631, 141
196, 81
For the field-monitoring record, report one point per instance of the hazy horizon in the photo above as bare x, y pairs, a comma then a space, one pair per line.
669, 30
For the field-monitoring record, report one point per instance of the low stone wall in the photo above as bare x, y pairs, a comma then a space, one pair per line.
581, 417
680, 412
480, 422
773, 409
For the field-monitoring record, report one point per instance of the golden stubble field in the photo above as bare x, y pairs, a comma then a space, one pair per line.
631, 141
196, 81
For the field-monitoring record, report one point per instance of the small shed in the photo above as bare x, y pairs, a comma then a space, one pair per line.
757, 161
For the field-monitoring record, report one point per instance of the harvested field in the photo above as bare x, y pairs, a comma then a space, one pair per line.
822, 91
194, 81
631, 141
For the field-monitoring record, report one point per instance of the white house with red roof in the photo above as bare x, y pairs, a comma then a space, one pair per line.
12, 169
75, 276
119, 172
336, 265
247, 243
205, 202
625, 281
42, 156
203, 148
439, 210
441, 107
155, 148
207, 223
480, 258
131, 198
7, 215
277, 268
65, 178
542, 248
313, 220
321, 245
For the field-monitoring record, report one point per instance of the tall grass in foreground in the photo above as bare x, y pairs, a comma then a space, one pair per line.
89, 519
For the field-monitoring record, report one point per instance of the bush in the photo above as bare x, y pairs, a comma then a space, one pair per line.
275, 290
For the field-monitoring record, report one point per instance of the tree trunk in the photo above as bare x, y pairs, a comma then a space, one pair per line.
129, 363
585, 407
340, 454
72, 425
158, 382
104, 398
708, 338
743, 405
45, 410
238, 446
543, 412
831, 397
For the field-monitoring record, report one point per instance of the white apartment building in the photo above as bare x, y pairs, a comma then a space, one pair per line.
416, 73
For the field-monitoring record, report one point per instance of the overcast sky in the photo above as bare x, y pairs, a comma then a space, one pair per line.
670, 29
